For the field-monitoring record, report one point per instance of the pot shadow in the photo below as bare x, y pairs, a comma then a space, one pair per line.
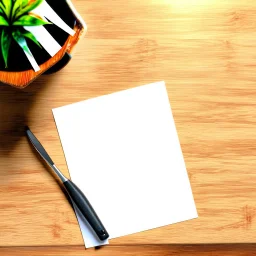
15, 105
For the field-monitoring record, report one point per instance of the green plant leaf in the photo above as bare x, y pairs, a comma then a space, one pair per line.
24, 3
2, 7
1, 10
8, 7
16, 7
19, 38
3, 21
29, 20
6, 40
29, 35
30, 6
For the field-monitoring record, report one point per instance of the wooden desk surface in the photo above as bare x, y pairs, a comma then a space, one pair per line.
206, 53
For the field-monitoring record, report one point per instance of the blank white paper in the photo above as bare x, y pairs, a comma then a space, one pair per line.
123, 151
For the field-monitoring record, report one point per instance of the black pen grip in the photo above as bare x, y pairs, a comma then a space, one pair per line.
86, 209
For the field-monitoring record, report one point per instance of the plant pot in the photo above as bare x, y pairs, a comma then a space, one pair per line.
20, 72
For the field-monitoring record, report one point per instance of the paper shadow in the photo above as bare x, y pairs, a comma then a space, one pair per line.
15, 105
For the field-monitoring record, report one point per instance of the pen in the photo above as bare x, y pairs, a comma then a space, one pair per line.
74, 192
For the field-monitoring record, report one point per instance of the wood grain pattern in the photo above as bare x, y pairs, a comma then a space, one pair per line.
205, 52
146, 250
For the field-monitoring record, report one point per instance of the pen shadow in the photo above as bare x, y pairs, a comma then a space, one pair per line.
15, 105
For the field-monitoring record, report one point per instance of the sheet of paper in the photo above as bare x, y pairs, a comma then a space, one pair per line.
123, 151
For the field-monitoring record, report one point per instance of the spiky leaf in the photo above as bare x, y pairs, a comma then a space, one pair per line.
6, 40
29, 20
2, 8
24, 3
19, 38
3, 21
31, 5
29, 35
16, 7
7, 7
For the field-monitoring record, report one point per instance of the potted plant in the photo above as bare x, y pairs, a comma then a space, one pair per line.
37, 37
